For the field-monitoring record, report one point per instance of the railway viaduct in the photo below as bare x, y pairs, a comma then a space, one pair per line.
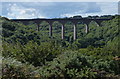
63, 22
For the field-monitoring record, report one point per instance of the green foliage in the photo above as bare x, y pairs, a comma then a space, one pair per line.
13, 69
70, 65
32, 52
74, 65
92, 55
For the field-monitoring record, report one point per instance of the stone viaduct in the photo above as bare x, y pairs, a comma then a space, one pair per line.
63, 22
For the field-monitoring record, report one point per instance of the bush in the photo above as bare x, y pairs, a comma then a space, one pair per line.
32, 52
69, 65
14, 69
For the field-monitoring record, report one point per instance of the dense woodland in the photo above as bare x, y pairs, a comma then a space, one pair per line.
29, 54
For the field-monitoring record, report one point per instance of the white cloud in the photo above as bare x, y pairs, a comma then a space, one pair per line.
0, 8
109, 8
36, 4
106, 9
52, 10
20, 12
59, 0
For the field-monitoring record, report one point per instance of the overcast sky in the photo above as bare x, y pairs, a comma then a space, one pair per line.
21, 10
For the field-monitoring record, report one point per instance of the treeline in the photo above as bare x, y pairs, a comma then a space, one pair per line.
91, 17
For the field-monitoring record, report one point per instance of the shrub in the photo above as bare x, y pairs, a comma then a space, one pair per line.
69, 65
14, 69
32, 52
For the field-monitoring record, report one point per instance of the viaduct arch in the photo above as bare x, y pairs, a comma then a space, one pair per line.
63, 22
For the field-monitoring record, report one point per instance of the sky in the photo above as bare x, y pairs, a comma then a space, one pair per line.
30, 10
